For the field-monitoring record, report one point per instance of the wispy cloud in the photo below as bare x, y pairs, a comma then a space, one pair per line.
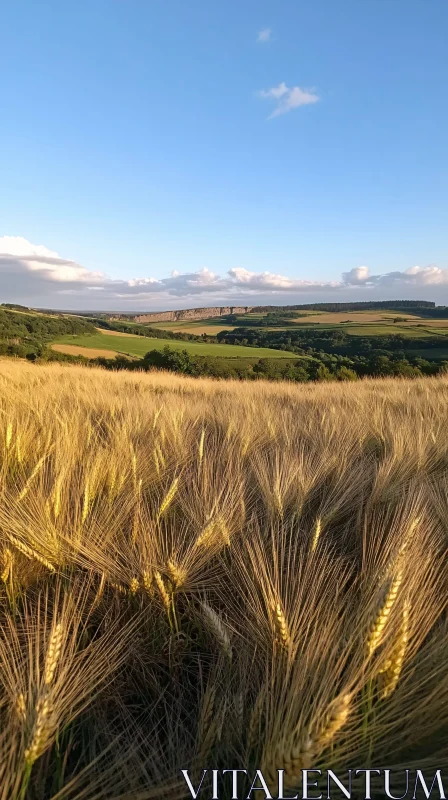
264, 35
288, 98
37, 276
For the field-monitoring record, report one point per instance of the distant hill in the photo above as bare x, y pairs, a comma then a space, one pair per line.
368, 305
22, 326
208, 312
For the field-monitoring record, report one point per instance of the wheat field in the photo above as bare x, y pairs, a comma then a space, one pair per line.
203, 574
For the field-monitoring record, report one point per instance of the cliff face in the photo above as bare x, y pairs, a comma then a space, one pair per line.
186, 314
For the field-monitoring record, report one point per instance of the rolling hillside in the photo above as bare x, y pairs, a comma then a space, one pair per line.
139, 345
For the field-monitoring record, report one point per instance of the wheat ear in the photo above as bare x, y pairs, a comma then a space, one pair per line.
169, 497
147, 582
302, 751
178, 574
210, 533
218, 628
36, 469
162, 589
317, 532
201, 446
20, 706
53, 653
377, 628
85, 503
30, 553
41, 730
8, 561
44, 706
8, 439
392, 670
282, 626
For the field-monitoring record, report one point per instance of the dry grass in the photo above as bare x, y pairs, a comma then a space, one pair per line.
88, 352
199, 573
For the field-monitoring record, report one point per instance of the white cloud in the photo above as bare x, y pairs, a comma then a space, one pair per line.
414, 276
269, 281
37, 258
288, 98
264, 35
36, 276
357, 276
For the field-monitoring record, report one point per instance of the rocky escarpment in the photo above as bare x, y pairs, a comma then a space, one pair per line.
185, 314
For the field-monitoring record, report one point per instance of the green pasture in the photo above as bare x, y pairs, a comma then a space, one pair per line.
139, 345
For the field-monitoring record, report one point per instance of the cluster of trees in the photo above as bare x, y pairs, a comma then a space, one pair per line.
22, 327
27, 335
367, 305
439, 312
323, 366
311, 341
15, 307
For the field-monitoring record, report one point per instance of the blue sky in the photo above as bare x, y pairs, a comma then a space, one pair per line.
142, 137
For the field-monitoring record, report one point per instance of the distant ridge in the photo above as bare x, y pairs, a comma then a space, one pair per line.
220, 311
185, 314
207, 312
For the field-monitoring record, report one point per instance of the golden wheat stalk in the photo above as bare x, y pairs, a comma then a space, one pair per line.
19, 449
379, 623
206, 729
160, 455
134, 586
156, 462
86, 503
169, 497
156, 417
53, 653
206, 534
162, 589
224, 531
392, 669
218, 628
405, 543
282, 626
8, 561
216, 528
35, 471
317, 532
301, 752
336, 719
147, 582
177, 574
20, 706
57, 497
41, 730
201, 446
30, 553
8, 438
100, 590
278, 500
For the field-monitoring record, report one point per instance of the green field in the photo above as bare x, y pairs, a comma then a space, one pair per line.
139, 345
360, 324
373, 329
